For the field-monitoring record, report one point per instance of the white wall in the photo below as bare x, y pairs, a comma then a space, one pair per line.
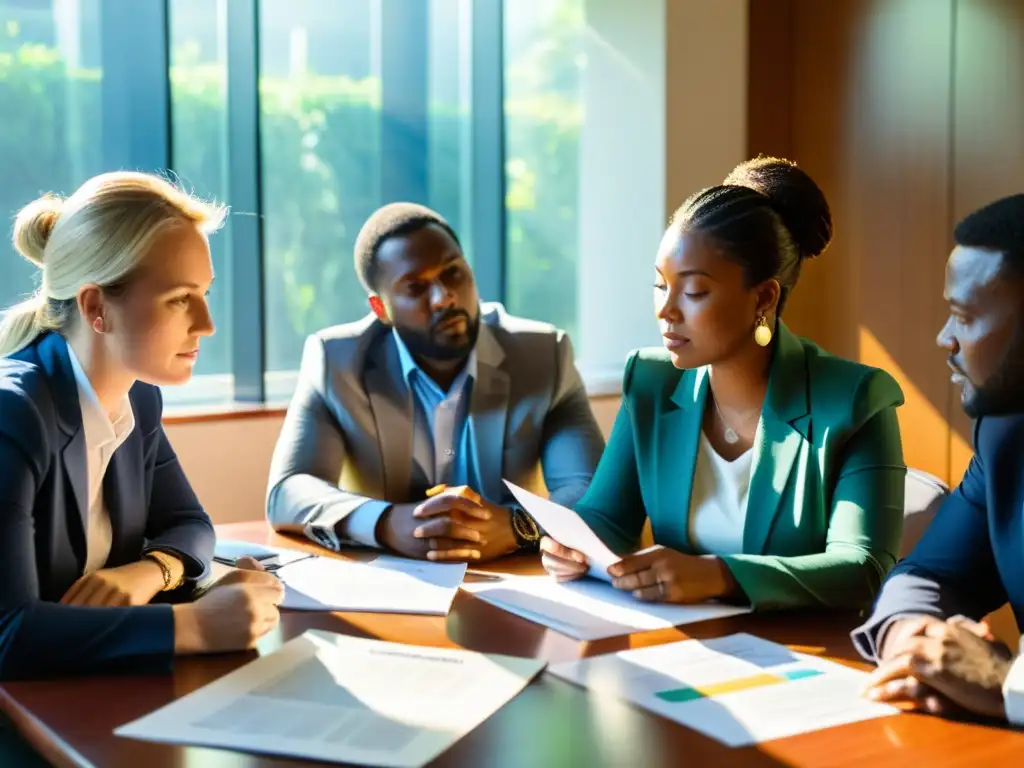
664, 100
705, 94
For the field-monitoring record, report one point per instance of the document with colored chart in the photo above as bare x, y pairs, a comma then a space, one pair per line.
738, 689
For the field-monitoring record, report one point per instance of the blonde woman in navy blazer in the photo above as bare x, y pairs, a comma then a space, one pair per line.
97, 517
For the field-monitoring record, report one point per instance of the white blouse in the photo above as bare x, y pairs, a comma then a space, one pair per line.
718, 500
103, 436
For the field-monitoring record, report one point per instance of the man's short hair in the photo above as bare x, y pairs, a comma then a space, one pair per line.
998, 226
392, 220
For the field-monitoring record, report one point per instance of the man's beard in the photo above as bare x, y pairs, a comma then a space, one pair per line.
1003, 392
426, 345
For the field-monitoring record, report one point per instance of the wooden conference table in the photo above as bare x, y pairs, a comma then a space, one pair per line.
551, 723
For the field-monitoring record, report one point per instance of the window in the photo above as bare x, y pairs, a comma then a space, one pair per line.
198, 90
544, 57
304, 117
362, 103
50, 99
448, 138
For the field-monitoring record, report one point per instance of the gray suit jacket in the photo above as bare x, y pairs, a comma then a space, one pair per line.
348, 434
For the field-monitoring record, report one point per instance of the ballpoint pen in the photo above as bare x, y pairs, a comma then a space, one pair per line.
466, 492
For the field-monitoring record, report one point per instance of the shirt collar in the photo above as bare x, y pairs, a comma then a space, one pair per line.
409, 366
100, 431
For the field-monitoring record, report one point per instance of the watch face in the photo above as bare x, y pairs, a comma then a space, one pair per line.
525, 529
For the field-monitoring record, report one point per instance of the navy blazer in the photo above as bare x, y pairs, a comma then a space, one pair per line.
43, 513
970, 560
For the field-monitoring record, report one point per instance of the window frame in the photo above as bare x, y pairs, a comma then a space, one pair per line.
405, 133
138, 108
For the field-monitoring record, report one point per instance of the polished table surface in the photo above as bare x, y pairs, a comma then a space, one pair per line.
551, 723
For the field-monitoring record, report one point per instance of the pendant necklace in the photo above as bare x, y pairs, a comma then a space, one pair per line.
730, 434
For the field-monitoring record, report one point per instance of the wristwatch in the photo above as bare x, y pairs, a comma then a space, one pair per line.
166, 561
525, 529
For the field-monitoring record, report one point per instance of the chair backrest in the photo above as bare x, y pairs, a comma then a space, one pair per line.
922, 498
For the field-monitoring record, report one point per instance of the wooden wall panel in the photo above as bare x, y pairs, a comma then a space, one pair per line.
988, 133
988, 152
910, 114
870, 118
769, 77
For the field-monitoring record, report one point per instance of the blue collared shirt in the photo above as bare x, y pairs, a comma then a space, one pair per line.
442, 443
441, 438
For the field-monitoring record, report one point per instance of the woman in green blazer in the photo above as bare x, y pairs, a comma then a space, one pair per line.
770, 471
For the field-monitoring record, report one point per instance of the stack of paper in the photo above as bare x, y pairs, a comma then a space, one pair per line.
589, 609
342, 699
384, 585
737, 689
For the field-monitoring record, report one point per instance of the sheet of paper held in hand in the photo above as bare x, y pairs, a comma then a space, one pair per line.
568, 529
342, 699
738, 689
588, 609
383, 585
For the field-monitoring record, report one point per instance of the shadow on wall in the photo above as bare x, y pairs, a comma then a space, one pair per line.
909, 115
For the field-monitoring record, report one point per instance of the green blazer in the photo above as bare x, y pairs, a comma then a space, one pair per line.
825, 507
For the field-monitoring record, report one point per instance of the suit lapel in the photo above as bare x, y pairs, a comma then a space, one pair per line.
783, 429
678, 436
488, 413
391, 403
121, 494
76, 471
53, 355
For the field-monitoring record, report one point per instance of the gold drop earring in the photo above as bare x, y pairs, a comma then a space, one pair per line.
762, 333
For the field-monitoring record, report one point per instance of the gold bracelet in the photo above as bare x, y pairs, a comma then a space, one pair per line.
165, 561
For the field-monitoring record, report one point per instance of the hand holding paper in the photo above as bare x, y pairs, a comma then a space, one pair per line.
561, 562
663, 575
568, 529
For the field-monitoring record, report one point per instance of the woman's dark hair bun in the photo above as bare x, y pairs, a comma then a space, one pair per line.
794, 195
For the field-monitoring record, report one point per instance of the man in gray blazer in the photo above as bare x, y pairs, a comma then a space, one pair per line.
924, 633
404, 423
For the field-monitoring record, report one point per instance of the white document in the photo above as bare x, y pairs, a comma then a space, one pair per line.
342, 699
568, 529
589, 609
738, 689
383, 585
